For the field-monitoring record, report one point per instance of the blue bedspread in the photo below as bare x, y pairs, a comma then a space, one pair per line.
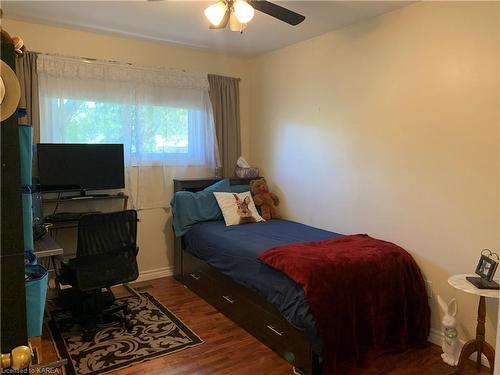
233, 251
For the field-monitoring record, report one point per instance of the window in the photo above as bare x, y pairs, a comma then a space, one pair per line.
162, 117
155, 131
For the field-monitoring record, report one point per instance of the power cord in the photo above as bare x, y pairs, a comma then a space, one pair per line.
59, 196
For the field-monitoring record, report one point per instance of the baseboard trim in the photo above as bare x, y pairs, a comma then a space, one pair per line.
436, 337
154, 274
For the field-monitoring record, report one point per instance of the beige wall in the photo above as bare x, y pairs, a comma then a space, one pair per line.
154, 235
391, 127
388, 127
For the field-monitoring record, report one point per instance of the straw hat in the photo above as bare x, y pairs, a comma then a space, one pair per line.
10, 91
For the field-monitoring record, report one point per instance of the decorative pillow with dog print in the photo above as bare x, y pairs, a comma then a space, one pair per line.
238, 208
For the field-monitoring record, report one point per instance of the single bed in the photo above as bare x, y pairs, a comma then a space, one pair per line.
224, 271
233, 251
259, 274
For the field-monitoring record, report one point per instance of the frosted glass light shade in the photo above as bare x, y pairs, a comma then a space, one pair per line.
243, 11
215, 13
235, 25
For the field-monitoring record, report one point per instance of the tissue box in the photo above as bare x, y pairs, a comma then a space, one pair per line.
246, 172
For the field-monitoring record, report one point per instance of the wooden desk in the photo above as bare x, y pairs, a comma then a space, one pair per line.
57, 225
89, 198
47, 247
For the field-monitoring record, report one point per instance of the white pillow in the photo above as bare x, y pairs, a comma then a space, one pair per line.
238, 208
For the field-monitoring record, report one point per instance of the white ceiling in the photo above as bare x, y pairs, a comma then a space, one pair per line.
183, 22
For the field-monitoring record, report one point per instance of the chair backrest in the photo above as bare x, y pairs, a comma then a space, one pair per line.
106, 249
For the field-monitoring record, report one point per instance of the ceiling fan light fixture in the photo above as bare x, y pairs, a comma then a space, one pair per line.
235, 25
215, 13
243, 11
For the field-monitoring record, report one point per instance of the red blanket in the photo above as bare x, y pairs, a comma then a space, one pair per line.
367, 296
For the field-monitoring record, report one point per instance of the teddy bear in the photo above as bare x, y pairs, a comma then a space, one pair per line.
264, 199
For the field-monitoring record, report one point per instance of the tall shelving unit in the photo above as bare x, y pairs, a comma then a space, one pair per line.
13, 307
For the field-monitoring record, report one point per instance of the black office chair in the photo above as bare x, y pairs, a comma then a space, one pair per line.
105, 256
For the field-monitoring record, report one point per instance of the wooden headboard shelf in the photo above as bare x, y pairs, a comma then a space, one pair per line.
197, 184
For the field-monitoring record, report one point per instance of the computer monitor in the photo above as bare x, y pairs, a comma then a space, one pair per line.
80, 167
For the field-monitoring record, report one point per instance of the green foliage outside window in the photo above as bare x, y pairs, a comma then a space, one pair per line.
151, 129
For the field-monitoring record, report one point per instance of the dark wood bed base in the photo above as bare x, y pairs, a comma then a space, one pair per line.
245, 307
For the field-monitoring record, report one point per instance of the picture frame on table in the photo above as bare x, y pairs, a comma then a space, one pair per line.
486, 267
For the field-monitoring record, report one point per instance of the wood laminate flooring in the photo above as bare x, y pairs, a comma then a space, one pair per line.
230, 350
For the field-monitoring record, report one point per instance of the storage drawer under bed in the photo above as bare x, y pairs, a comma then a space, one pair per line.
249, 310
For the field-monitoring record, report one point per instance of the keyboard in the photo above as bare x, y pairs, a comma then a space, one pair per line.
67, 216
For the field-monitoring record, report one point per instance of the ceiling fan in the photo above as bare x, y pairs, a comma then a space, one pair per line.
237, 13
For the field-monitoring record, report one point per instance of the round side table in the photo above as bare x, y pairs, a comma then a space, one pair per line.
477, 345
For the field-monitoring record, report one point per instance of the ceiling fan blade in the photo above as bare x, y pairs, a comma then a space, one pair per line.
277, 11
223, 23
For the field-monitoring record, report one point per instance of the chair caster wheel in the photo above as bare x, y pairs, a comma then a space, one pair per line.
87, 336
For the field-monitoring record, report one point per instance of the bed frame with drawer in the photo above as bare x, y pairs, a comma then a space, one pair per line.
245, 307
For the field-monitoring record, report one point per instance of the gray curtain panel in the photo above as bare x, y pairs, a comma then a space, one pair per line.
28, 80
225, 98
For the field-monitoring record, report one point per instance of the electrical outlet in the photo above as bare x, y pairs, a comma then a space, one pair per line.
428, 287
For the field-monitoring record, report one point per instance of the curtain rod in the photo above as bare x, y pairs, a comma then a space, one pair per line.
219, 75
92, 59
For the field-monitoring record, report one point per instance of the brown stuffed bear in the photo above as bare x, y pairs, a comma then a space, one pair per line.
264, 199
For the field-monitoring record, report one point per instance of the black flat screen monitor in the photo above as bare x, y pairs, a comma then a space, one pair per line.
73, 167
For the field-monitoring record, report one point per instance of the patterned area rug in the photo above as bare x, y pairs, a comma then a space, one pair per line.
156, 332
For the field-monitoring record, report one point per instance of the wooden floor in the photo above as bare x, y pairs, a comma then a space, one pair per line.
230, 350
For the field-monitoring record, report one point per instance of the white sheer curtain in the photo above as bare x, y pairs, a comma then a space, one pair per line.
163, 117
